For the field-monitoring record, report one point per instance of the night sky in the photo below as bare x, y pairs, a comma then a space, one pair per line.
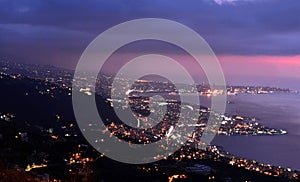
250, 37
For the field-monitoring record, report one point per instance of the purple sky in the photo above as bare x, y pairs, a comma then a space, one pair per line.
243, 33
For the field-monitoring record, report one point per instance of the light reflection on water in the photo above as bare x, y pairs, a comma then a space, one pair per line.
273, 110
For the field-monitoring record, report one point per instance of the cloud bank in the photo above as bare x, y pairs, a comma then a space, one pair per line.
57, 32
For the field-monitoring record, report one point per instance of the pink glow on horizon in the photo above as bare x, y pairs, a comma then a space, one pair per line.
272, 66
257, 70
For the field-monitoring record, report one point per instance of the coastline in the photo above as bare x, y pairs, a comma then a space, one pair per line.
279, 150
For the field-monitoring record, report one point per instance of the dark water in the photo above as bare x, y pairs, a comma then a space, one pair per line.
274, 110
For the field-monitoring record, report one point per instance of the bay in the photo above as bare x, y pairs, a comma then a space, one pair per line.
279, 110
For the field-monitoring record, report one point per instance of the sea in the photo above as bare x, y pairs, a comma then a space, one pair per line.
277, 110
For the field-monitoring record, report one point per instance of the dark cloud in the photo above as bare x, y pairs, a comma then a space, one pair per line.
57, 31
